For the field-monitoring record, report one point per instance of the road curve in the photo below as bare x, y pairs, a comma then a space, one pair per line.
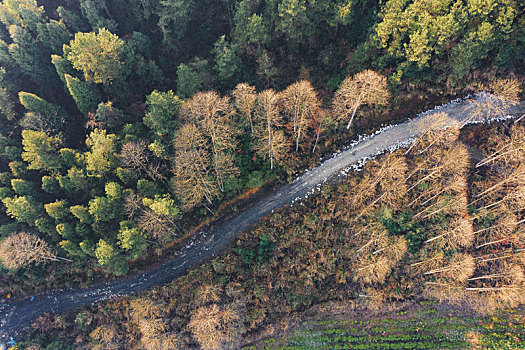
20, 313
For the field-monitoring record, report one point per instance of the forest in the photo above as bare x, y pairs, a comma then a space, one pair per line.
440, 221
126, 125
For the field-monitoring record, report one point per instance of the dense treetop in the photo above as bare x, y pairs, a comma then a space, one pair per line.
126, 124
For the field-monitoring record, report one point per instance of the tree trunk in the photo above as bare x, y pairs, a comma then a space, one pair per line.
297, 140
358, 103
270, 153
317, 137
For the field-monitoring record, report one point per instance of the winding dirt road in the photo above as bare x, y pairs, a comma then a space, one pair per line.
20, 313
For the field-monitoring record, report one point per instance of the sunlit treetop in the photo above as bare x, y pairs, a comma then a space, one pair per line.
100, 56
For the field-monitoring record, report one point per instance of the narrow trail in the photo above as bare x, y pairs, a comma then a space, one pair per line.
20, 313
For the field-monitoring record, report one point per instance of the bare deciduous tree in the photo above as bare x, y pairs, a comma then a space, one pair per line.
300, 104
135, 155
244, 96
22, 248
365, 88
145, 308
270, 141
376, 255
192, 166
213, 326
500, 231
132, 204
458, 234
209, 293
508, 89
494, 98
430, 125
155, 224
212, 114
107, 338
460, 268
507, 150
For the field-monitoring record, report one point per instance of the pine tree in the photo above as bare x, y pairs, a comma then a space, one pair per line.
53, 35
42, 115
102, 157
26, 52
62, 67
162, 112
85, 95
100, 56
188, 81
41, 150
24, 209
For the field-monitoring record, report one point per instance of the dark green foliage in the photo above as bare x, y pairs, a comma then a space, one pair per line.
71, 19
23, 187
132, 240
62, 67
227, 62
264, 248
5, 178
147, 188
255, 179
174, 16
7, 105
82, 213
7, 229
102, 157
18, 168
101, 56
262, 253
26, 53
161, 116
50, 185
188, 82
246, 255
403, 225
127, 176
472, 31
13, 153
73, 249
88, 247
70, 157
109, 257
85, 95
6, 192
76, 183
42, 115
102, 209
58, 210
46, 225
24, 209
251, 31
113, 190
53, 35
66, 230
